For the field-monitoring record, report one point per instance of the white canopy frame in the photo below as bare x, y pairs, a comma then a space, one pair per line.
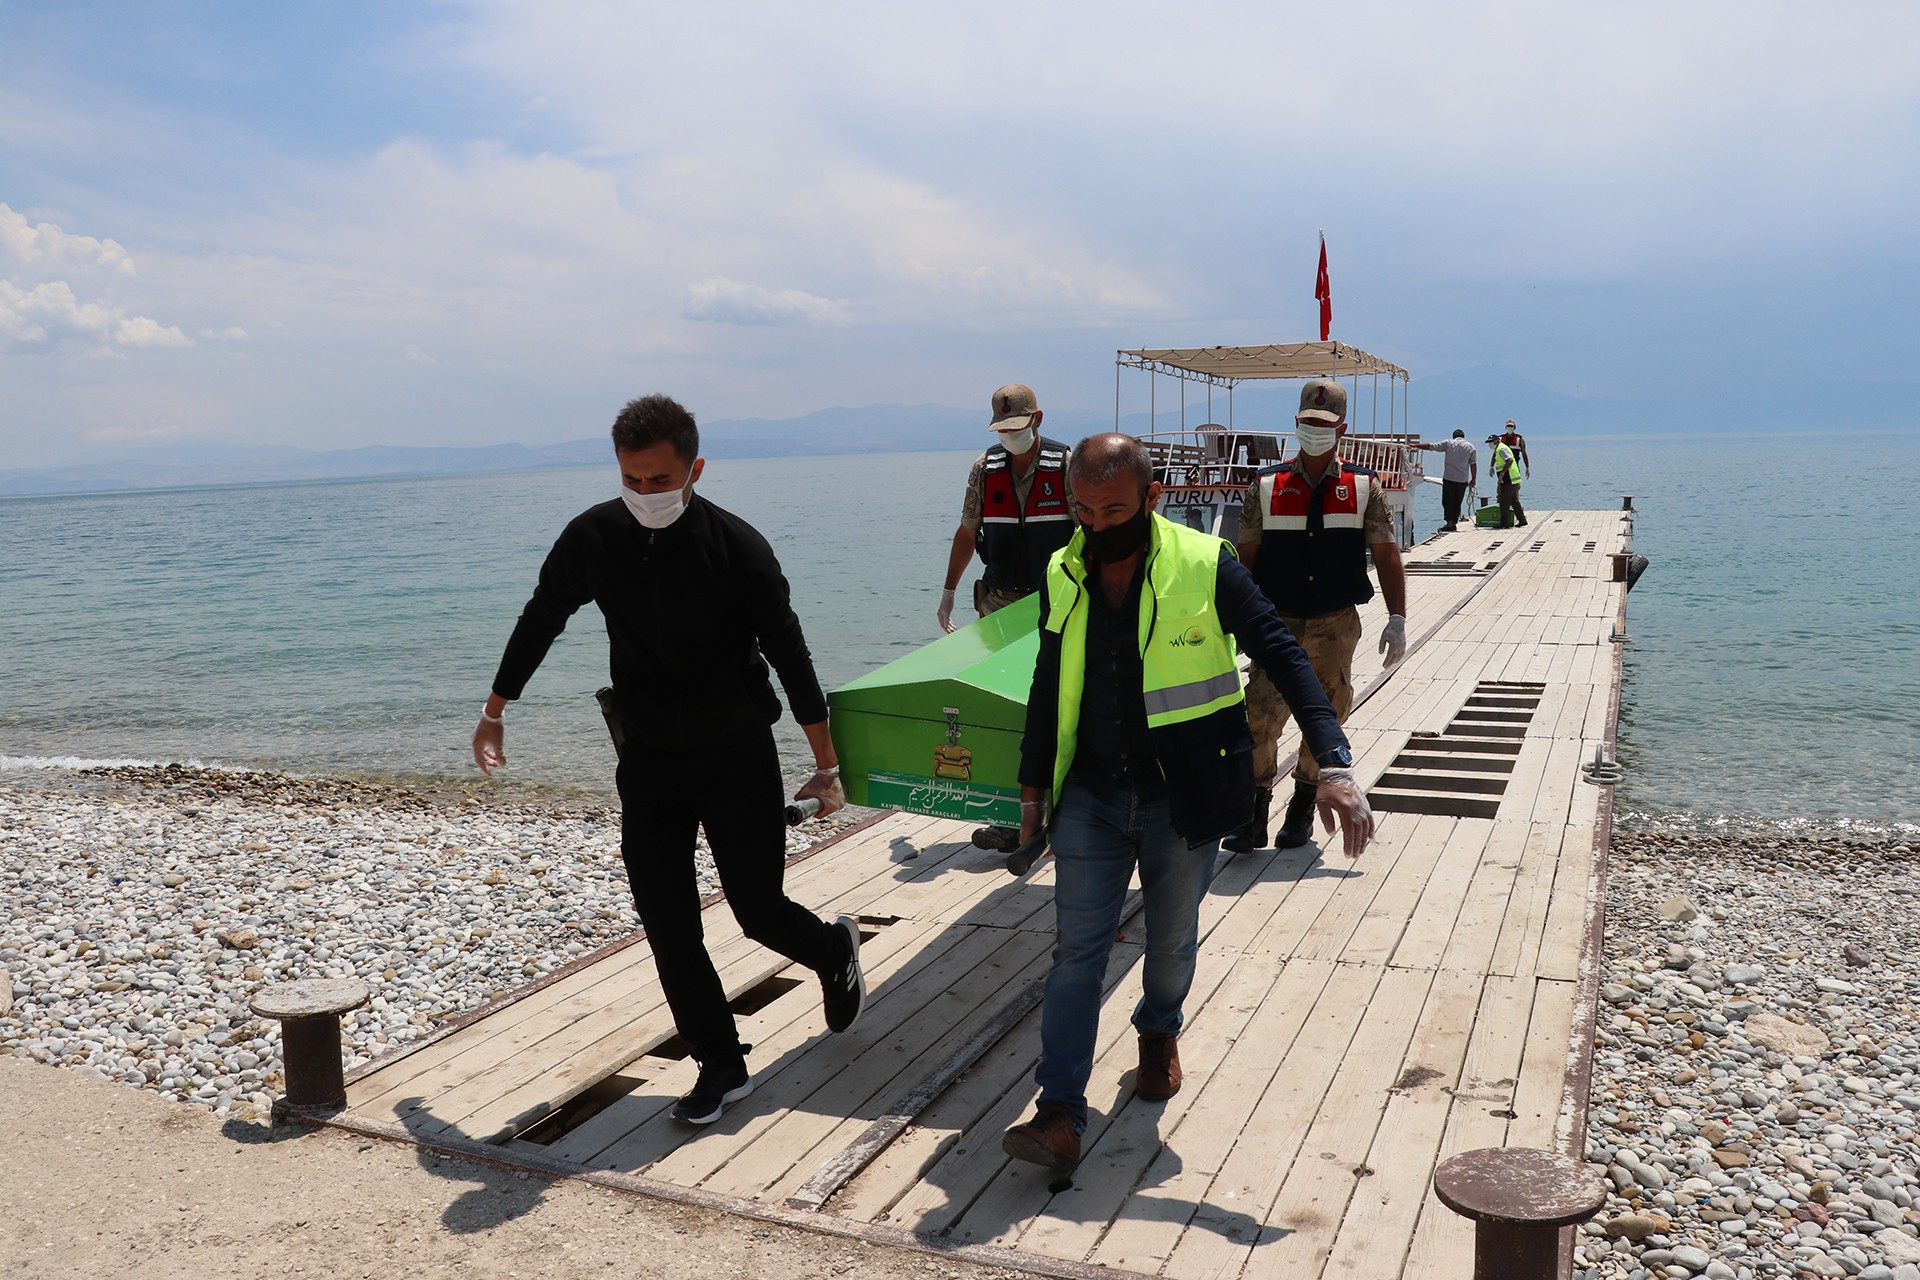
1228, 366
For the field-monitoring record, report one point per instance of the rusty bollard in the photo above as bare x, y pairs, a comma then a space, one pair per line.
309, 1015
1519, 1199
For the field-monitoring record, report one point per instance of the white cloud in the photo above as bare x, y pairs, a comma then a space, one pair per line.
43, 249
49, 312
415, 355
232, 333
732, 302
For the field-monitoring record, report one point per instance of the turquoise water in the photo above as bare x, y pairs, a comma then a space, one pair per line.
353, 627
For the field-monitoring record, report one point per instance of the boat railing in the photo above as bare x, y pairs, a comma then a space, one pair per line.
1212, 455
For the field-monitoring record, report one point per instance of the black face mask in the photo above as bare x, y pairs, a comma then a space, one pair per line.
1116, 542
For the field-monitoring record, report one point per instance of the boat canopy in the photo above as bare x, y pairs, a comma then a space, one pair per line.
1224, 366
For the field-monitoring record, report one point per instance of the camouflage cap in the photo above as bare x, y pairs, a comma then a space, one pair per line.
1013, 407
1323, 400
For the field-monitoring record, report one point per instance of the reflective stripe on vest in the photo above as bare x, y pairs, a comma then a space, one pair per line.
1188, 665
1283, 502
1311, 573
1505, 465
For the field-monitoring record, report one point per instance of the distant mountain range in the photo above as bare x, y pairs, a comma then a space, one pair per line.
1478, 400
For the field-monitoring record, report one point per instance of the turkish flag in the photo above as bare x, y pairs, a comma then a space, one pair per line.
1324, 291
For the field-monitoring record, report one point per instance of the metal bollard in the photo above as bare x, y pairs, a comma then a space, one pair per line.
309, 1015
1626, 502
1519, 1199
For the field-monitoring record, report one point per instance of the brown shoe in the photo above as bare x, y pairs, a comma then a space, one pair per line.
1046, 1139
1159, 1076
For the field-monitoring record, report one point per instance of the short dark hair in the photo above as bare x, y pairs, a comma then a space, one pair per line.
649, 420
1099, 459
1458, 434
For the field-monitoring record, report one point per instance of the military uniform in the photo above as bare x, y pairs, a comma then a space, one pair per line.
1317, 593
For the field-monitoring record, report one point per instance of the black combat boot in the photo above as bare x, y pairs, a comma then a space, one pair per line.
1254, 834
1298, 828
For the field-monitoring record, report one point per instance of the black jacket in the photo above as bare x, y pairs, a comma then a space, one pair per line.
1208, 762
695, 612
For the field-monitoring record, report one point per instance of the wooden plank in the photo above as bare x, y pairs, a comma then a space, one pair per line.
1420, 871
1518, 946
1158, 1210
958, 1177
806, 1057
1374, 1235
835, 1105
531, 1084
884, 956
1476, 930
1428, 926
1554, 799
1121, 1137
1564, 935
956, 1116
1231, 1207
1299, 1212
624, 981
1337, 889
1543, 1068
374, 1093
1075, 1220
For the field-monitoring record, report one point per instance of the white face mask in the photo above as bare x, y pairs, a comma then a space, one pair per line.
657, 510
1017, 441
1315, 438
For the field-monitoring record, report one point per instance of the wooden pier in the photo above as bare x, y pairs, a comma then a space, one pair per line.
1350, 1026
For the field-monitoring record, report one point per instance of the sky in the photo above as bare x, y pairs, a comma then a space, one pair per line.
479, 221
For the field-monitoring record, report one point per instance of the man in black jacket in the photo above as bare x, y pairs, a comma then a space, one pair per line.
696, 608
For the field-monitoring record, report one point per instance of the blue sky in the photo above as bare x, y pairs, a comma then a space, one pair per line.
474, 222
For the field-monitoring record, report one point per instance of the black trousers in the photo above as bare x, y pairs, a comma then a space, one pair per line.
1451, 494
735, 792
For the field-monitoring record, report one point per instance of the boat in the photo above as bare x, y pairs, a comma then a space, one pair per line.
1205, 469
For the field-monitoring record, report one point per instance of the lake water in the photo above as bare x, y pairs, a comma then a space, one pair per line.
353, 627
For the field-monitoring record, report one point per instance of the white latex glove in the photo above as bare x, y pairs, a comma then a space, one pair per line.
1393, 641
946, 611
1337, 795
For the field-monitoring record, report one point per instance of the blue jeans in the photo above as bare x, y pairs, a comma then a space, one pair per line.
1101, 831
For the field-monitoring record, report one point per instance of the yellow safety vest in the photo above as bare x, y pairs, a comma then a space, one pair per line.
1188, 664
1505, 465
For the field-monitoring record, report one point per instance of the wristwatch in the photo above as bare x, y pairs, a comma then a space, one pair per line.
1338, 758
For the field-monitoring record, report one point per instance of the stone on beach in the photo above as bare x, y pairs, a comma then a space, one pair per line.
1784, 1036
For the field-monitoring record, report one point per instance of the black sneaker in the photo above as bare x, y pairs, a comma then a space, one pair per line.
844, 987
998, 839
721, 1081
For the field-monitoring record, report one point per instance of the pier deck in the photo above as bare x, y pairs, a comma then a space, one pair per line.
1351, 1024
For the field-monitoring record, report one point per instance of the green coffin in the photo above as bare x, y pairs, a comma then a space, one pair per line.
938, 731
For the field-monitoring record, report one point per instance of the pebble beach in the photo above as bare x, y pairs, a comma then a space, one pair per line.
146, 905
1756, 1072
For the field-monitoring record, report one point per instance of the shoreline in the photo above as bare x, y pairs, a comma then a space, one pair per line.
151, 902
